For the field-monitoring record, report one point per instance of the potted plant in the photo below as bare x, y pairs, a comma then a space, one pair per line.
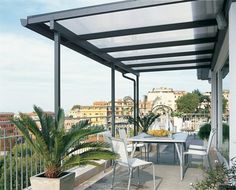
57, 148
219, 178
205, 130
144, 122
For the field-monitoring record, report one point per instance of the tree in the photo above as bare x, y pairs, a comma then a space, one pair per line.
224, 104
188, 103
76, 107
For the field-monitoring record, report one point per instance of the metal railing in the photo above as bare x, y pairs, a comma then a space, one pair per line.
18, 161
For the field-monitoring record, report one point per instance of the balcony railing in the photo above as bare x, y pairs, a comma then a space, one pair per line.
18, 161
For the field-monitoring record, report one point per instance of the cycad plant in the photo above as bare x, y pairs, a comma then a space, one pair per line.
57, 147
144, 122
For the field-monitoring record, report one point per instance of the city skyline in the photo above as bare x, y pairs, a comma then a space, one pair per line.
27, 78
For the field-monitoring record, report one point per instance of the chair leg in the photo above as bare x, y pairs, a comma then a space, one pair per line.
209, 162
154, 176
138, 177
141, 152
113, 175
130, 176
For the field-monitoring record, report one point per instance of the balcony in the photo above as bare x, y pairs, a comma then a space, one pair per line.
18, 163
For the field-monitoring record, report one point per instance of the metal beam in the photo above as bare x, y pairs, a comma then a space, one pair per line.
57, 74
170, 63
99, 9
44, 30
208, 51
150, 29
137, 99
159, 44
220, 40
113, 111
172, 69
88, 46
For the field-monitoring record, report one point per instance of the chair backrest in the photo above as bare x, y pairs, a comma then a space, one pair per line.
107, 136
123, 135
212, 133
119, 147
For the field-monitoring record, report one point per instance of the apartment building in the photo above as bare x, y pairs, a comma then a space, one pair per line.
5, 123
96, 113
164, 96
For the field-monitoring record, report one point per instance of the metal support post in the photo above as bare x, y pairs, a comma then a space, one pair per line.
137, 94
57, 74
113, 117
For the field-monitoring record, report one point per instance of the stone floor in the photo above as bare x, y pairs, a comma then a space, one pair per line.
167, 173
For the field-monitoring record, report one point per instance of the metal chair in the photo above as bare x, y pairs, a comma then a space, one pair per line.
107, 138
119, 147
200, 150
123, 135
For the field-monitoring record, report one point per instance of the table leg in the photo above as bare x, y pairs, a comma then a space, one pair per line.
179, 149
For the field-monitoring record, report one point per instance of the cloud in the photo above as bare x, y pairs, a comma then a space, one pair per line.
26, 76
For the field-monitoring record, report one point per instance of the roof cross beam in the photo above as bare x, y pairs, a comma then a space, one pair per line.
160, 44
149, 29
173, 68
88, 46
153, 56
170, 63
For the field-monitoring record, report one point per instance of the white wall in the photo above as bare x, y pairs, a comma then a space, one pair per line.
232, 85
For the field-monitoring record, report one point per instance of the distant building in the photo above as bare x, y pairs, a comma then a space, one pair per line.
96, 113
164, 96
5, 123
6, 129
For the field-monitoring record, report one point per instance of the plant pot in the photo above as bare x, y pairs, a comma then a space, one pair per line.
226, 187
65, 182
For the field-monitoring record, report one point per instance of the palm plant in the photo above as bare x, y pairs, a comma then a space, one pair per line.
57, 147
144, 122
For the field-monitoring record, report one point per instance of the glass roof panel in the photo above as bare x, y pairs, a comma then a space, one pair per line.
152, 51
169, 66
166, 36
151, 16
167, 59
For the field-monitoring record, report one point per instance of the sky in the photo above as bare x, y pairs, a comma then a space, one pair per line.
26, 65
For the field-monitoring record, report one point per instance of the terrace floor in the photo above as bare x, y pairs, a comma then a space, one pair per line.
167, 173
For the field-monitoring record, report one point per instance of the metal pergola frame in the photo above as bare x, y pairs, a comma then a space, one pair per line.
48, 26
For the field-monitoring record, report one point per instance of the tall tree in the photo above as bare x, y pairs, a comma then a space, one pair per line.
188, 103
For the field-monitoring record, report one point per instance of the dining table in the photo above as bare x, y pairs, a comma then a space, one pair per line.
178, 139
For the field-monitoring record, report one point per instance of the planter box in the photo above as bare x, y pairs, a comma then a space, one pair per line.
226, 187
65, 182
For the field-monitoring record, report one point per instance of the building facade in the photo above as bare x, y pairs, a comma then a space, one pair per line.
164, 96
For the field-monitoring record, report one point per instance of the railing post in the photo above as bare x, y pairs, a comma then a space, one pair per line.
5, 167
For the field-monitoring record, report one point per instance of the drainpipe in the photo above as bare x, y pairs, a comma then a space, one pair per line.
135, 102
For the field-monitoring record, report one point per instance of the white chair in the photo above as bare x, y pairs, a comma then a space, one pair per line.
107, 138
119, 147
199, 147
200, 150
130, 147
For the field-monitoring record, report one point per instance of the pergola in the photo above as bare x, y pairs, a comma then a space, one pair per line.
139, 36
